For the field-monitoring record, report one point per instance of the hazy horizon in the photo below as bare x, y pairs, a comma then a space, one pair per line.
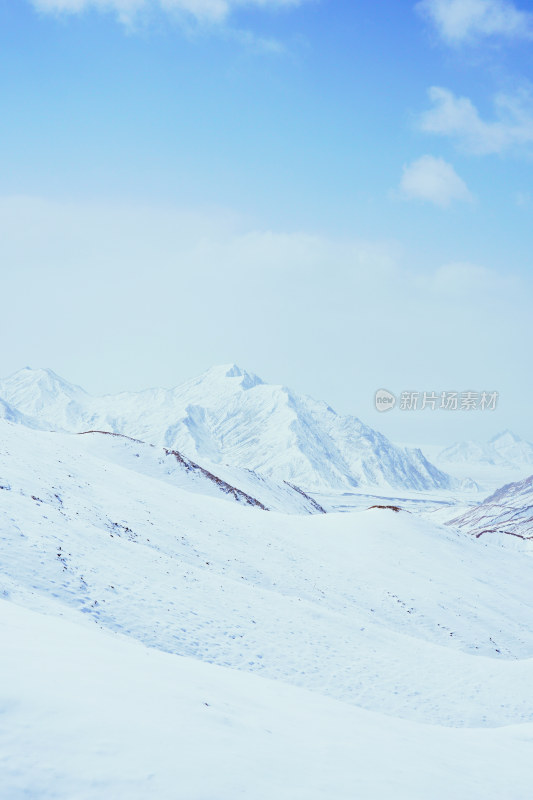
335, 196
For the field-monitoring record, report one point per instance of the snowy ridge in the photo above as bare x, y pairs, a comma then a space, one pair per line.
173, 467
507, 512
229, 416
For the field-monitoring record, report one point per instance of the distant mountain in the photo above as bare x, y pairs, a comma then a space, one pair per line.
11, 414
230, 416
505, 449
508, 511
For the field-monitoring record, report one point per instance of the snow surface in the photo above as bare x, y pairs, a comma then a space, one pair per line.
230, 416
372, 655
378, 609
87, 715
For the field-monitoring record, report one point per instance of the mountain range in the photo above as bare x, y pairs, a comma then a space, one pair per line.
228, 416
506, 449
163, 636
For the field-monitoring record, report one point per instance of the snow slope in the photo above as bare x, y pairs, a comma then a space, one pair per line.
80, 720
377, 609
229, 416
242, 486
506, 513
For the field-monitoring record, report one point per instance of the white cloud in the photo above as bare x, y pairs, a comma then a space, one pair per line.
434, 180
460, 21
126, 10
459, 118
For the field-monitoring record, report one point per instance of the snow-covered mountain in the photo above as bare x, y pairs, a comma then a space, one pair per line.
267, 593
164, 637
507, 512
506, 449
230, 416
157, 642
170, 466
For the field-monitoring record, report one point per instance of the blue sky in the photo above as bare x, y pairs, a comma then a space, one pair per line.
337, 195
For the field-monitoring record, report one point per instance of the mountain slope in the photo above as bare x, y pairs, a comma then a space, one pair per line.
507, 512
229, 416
378, 609
81, 720
170, 466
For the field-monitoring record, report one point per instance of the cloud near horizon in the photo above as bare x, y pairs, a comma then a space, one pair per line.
433, 180
464, 21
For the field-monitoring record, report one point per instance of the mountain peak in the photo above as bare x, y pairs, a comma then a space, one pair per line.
234, 371
247, 379
31, 391
39, 375
505, 436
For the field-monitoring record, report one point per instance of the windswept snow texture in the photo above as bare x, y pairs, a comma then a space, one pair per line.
507, 512
229, 416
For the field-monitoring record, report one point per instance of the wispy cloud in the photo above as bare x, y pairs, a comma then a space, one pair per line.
459, 21
433, 180
211, 11
255, 43
458, 118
